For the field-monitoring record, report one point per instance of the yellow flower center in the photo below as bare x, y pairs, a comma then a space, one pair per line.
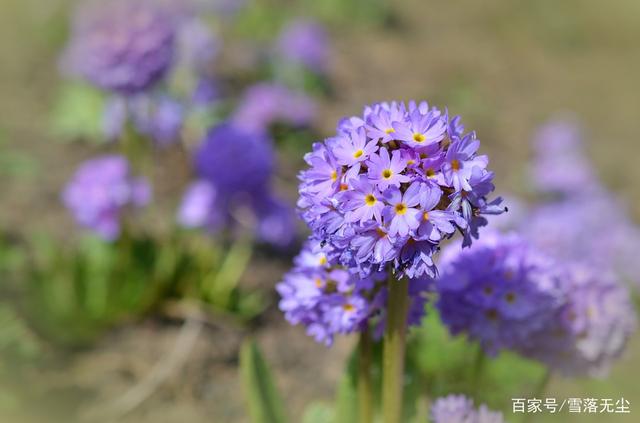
334, 176
348, 307
389, 131
455, 165
358, 154
370, 199
400, 208
418, 137
425, 216
386, 174
423, 155
430, 173
410, 162
381, 233
344, 187
510, 297
323, 260
318, 282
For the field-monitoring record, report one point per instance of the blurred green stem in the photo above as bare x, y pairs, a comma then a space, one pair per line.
478, 367
539, 391
365, 387
394, 350
219, 288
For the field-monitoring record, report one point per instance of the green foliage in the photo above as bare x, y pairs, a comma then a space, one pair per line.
263, 399
447, 364
77, 113
318, 412
76, 292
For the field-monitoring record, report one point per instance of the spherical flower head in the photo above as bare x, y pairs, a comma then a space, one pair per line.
500, 292
236, 161
121, 45
328, 300
266, 104
101, 190
460, 409
591, 328
234, 168
392, 184
560, 165
305, 43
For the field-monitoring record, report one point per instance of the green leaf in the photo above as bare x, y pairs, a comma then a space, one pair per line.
265, 404
318, 412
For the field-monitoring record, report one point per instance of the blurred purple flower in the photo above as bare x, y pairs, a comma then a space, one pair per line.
305, 43
121, 45
460, 409
264, 104
591, 329
101, 190
560, 165
499, 292
234, 168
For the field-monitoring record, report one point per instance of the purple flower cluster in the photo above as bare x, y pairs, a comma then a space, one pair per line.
159, 117
392, 184
304, 43
234, 167
500, 291
121, 45
581, 200
507, 295
460, 409
591, 328
100, 191
328, 299
266, 104
560, 165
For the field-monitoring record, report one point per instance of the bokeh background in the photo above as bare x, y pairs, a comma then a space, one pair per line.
506, 66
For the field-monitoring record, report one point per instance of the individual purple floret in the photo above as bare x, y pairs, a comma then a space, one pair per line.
328, 300
121, 45
560, 165
460, 409
265, 104
100, 192
592, 327
305, 43
499, 292
392, 184
234, 168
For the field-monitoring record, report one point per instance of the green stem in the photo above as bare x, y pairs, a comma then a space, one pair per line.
365, 386
539, 392
542, 385
394, 350
478, 367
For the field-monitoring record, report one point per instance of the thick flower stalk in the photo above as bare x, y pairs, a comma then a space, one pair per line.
392, 184
460, 409
101, 191
381, 195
